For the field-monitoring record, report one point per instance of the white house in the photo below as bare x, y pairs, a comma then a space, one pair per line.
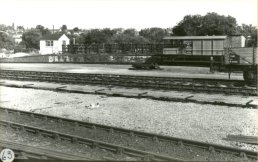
17, 37
52, 44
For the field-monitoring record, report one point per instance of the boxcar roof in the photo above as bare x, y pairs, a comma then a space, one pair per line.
194, 37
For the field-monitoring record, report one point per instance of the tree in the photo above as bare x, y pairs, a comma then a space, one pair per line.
179, 30
76, 29
40, 27
129, 36
20, 28
154, 35
42, 30
92, 36
250, 33
214, 24
210, 24
130, 32
31, 39
6, 41
5, 28
64, 28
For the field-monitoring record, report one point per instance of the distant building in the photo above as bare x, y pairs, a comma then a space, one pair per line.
17, 37
53, 31
196, 45
52, 44
201, 45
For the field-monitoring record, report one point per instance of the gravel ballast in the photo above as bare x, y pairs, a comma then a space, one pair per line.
205, 123
166, 148
61, 145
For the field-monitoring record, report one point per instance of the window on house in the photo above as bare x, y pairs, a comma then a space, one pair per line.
49, 43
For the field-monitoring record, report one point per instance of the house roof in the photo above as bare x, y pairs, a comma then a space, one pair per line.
194, 37
52, 36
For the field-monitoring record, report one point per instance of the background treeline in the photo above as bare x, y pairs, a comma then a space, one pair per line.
191, 25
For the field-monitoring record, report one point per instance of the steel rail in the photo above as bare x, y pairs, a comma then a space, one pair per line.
124, 76
192, 84
206, 146
22, 151
92, 143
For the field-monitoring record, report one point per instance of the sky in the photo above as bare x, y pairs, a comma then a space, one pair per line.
138, 14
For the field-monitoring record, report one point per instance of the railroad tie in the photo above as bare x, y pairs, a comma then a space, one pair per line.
188, 97
141, 94
58, 88
180, 143
248, 103
74, 140
76, 125
244, 139
111, 130
57, 137
155, 139
211, 149
243, 155
26, 85
23, 156
95, 145
97, 91
38, 133
120, 150
147, 157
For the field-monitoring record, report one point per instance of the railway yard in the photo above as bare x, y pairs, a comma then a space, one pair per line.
109, 112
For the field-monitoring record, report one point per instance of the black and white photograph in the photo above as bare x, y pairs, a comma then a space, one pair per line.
128, 80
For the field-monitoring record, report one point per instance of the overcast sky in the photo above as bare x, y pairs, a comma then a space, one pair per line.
136, 14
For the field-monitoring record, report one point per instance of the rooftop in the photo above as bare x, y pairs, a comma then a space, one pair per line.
194, 37
51, 36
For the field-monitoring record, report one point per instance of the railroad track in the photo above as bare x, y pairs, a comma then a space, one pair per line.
213, 148
86, 141
22, 151
168, 83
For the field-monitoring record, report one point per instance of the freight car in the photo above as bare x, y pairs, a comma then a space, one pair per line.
222, 53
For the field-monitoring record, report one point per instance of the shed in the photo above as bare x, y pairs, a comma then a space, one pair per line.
196, 45
52, 44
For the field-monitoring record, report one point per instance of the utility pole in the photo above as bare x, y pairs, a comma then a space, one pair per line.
53, 41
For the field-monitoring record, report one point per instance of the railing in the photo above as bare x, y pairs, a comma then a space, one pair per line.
127, 49
136, 49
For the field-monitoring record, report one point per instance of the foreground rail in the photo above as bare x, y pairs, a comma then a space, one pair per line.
156, 137
89, 142
168, 83
22, 151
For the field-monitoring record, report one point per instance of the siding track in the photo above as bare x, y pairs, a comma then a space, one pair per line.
89, 142
167, 83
